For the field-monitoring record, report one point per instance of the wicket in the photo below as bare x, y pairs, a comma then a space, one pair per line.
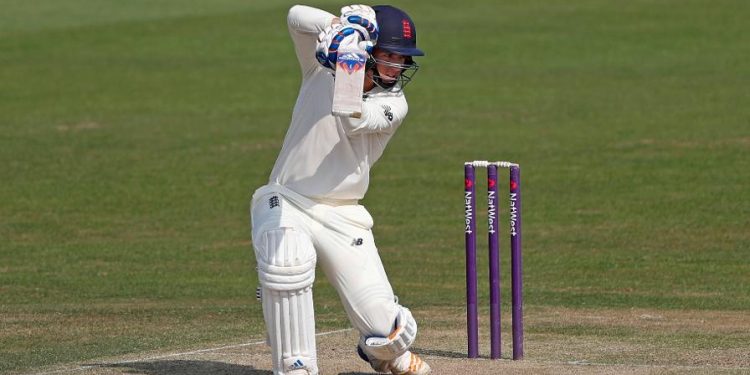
514, 213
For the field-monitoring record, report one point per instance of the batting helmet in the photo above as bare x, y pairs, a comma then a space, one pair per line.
397, 31
397, 35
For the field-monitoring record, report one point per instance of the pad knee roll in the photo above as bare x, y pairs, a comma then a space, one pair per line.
397, 343
286, 259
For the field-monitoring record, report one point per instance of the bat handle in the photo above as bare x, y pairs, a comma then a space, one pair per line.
347, 114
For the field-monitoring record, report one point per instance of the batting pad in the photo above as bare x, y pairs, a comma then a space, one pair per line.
286, 270
397, 343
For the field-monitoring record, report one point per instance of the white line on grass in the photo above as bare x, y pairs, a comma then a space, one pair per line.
83, 368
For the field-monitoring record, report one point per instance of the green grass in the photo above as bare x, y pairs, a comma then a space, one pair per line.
133, 133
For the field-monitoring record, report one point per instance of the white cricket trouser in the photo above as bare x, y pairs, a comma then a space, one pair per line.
345, 248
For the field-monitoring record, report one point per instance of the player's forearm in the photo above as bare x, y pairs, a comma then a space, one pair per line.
378, 117
305, 23
303, 19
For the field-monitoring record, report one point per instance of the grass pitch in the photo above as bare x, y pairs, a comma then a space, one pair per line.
133, 133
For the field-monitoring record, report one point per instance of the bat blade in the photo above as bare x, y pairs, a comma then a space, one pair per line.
349, 82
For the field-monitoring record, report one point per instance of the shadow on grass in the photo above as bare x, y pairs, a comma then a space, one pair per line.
188, 367
184, 367
439, 353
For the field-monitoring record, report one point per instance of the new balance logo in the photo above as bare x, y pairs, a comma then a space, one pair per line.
298, 364
387, 112
273, 202
358, 242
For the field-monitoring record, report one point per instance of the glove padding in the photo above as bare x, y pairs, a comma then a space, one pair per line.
358, 25
333, 38
362, 18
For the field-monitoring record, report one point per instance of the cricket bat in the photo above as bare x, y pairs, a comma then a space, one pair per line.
349, 82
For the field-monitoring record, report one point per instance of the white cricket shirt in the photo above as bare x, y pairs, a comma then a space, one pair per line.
325, 157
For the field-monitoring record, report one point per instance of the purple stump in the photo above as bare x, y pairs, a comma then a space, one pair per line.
472, 318
494, 257
516, 261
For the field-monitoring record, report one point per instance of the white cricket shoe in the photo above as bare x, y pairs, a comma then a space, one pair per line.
406, 364
409, 364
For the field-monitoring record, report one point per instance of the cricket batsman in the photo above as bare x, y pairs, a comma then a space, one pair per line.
309, 214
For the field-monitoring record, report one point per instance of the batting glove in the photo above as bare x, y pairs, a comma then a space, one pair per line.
333, 38
362, 18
